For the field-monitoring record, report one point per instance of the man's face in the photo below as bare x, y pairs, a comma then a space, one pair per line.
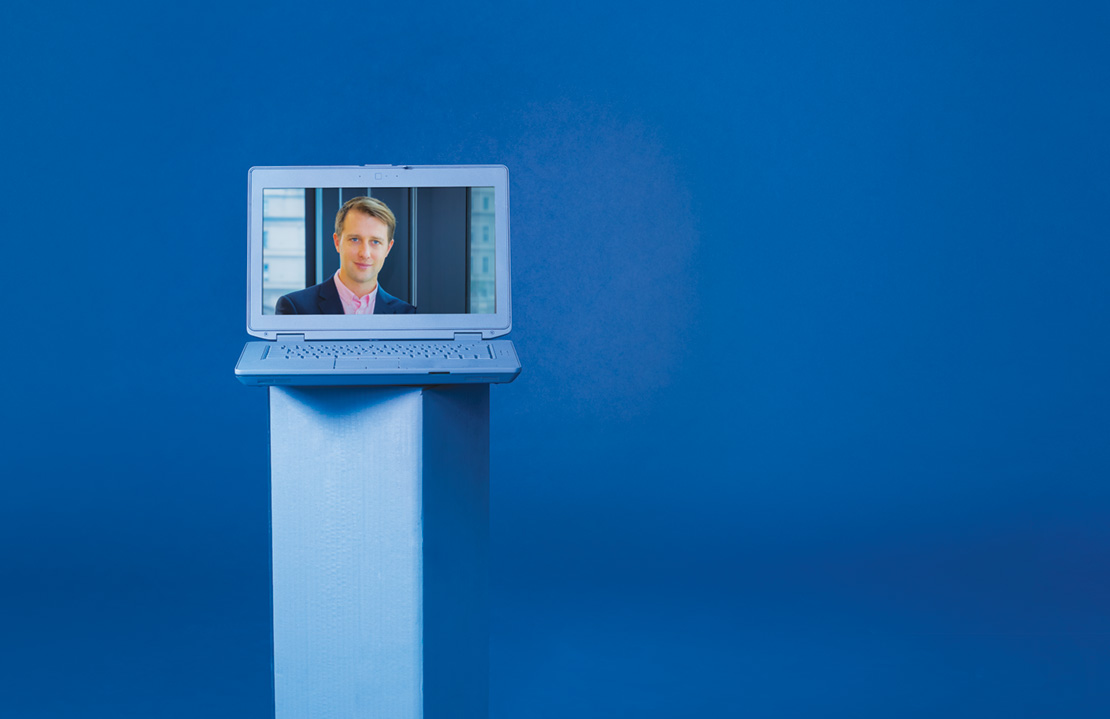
362, 249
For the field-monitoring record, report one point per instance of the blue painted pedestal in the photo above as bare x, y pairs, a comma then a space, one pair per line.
380, 516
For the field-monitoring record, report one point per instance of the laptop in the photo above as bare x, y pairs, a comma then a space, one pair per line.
378, 275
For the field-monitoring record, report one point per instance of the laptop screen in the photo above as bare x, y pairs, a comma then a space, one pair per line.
378, 251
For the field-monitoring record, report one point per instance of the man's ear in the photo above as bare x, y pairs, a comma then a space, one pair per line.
390, 247
336, 238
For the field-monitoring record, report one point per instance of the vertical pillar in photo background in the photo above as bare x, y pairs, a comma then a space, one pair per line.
379, 520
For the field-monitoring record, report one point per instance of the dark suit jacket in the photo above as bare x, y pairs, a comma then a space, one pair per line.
323, 299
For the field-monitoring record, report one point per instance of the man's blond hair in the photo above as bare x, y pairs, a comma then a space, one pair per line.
367, 206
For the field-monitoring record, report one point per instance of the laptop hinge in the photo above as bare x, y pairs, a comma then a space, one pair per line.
289, 337
468, 336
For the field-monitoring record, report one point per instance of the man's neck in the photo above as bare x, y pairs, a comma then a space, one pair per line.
359, 290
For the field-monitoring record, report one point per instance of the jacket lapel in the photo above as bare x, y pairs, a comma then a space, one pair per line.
327, 299
383, 305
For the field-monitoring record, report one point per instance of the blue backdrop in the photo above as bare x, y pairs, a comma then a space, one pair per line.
811, 300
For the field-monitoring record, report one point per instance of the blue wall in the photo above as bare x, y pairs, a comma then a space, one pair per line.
812, 304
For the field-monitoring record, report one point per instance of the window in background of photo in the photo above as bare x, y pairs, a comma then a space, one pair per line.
482, 299
283, 244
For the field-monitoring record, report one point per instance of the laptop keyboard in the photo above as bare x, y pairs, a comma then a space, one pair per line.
399, 350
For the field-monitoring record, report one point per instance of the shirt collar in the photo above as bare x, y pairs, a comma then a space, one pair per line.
351, 301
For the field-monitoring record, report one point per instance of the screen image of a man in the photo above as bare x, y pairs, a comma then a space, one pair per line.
363, 238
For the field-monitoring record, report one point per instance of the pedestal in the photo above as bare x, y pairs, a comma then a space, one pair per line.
379, 519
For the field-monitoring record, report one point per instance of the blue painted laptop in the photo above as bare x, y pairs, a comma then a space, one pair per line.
378, 274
